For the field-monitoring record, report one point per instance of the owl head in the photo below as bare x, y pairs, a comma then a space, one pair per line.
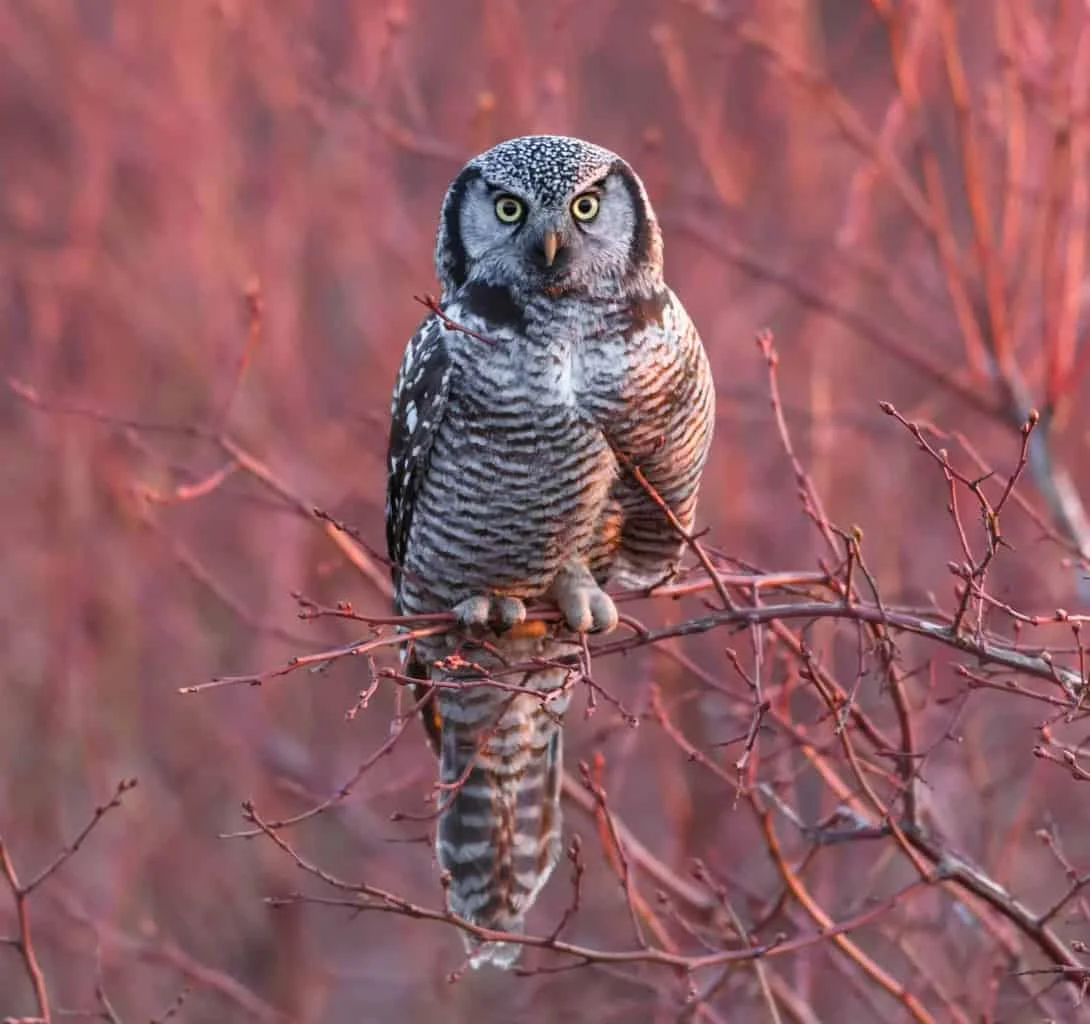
548, 213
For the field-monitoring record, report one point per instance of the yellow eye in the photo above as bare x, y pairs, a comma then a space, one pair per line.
585, 207
509, 209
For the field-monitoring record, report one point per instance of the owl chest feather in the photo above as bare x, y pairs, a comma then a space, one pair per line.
569, 362
536, 416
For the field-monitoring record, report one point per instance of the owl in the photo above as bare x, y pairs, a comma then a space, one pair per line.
560, 360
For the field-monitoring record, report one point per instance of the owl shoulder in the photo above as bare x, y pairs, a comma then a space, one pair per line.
659, 327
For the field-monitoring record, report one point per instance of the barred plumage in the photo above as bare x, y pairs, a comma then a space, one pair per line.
505, 484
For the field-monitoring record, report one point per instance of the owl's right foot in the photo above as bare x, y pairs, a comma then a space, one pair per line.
586, 607
497, 611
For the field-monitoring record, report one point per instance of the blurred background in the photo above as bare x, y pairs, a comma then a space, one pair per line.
214, 217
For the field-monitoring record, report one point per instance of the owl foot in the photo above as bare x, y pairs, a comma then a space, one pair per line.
496, 610
585, 606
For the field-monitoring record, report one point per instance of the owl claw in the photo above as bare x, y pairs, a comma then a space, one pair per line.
585, 606
473, 611
507, 613
500, 612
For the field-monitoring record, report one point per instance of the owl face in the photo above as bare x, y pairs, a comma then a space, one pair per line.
547, 213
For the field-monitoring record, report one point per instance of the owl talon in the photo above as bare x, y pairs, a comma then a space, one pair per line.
507, 612
500, 612
473, 611
603, 612
585, 606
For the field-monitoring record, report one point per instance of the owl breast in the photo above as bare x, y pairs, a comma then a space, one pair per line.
520, 476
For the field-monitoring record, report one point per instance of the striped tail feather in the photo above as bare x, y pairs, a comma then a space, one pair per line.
499, 821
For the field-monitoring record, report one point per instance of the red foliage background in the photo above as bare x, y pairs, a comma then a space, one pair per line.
899, 191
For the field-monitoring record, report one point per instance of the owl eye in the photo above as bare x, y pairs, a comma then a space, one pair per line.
585, 207
509, 209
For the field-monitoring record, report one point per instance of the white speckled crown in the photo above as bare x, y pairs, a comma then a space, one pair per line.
547, 166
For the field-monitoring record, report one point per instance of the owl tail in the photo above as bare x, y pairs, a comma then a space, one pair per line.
499, 821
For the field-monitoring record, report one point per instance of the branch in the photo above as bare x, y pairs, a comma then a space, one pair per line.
21, 891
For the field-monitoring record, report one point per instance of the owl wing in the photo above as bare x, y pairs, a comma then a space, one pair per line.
416, 413
666, 432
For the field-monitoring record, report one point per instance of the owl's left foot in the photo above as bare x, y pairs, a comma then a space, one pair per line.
498, 611
586, 607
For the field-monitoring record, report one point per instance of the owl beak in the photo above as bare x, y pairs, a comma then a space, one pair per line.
550, 242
